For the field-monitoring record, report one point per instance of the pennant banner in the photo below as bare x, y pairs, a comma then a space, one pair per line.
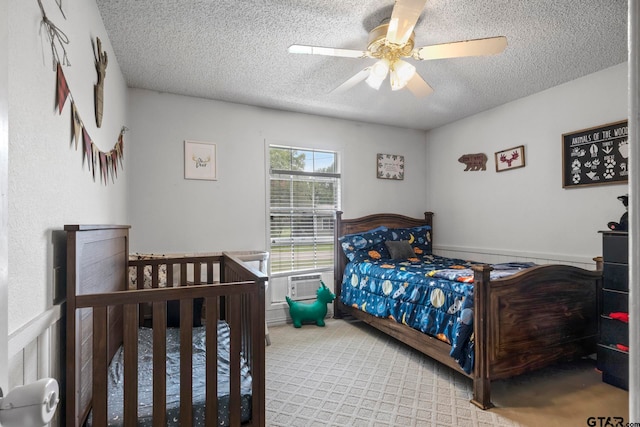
63, 89
76, 124
106, 162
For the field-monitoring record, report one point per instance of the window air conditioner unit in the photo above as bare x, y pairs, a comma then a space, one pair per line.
304, 286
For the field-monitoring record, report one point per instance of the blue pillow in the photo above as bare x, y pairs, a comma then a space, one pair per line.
353, 243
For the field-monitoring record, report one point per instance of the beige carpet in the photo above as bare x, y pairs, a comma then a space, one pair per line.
348, 374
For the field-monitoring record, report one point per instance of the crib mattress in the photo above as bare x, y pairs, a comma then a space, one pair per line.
145, 376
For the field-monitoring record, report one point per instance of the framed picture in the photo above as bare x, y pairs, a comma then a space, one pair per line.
390, 166
200, 160
596, 156
511, 158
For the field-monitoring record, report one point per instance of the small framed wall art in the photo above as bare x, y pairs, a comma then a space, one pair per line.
390, 166
511, 158
200, 160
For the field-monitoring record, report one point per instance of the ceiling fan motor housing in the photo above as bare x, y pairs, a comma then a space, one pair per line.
380, 48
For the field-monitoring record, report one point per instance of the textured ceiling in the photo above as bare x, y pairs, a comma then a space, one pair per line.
236, 51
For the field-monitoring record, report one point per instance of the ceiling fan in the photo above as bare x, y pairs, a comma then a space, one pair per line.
394, 40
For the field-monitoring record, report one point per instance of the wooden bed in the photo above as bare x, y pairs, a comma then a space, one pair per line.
102, 314
521, 323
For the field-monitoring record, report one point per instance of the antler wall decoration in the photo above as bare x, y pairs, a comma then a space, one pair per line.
514, 156
200, 162
511, 158
101, 66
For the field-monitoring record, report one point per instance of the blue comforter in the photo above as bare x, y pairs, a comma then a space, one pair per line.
430, 293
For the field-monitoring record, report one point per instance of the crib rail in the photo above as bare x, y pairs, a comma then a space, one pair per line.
239, 300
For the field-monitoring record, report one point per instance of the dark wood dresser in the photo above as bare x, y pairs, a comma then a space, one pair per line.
613, 359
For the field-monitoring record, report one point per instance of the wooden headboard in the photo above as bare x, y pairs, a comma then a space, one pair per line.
97, 257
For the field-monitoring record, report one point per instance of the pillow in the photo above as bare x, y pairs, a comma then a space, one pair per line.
400, 249
173, 313
353, 243
418, 237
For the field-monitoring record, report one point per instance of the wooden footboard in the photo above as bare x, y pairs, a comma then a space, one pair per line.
529, 320
521, 323
103, 314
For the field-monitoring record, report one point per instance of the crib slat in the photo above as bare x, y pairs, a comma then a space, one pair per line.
211, 308
197, 273
100, 362
140, 277
159, 364
247, 345
183, 273
257, 356
234, 359
209, 272
130, 344
169, 275
140, 285
186, 362
154, 276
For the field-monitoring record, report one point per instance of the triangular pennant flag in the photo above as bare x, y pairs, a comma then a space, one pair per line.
109, 167
62, 91
94, 158
86, 153
76, 124
114, 162
103, 167
120, 150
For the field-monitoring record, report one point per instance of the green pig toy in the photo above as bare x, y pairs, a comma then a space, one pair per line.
311, 312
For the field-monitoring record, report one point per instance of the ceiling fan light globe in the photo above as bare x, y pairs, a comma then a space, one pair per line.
379, 72
381, 69
374, 82
404, 70
401, 73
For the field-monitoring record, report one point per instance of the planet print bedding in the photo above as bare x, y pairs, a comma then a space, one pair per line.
429, 293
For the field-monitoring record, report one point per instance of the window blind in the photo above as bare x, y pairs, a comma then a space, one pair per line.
302, 215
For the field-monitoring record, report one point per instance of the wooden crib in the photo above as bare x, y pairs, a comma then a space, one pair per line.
103, 315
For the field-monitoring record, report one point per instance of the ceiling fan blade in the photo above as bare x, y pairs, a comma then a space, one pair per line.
404, 16
478, 47
418, 87
357, 78
328, 51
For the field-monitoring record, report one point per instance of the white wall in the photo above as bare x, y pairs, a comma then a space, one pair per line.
48, 185
171, 214
4, 177
525, 211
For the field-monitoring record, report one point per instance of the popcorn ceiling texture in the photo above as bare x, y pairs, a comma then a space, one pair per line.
236, 51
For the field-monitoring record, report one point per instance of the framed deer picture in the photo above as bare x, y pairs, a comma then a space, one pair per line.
511, 158
200, 160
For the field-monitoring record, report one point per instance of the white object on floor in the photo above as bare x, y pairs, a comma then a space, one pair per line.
30, 405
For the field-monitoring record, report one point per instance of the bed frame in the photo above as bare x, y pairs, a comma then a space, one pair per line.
521, 323
102, 314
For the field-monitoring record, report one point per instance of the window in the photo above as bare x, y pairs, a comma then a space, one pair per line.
304, 196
